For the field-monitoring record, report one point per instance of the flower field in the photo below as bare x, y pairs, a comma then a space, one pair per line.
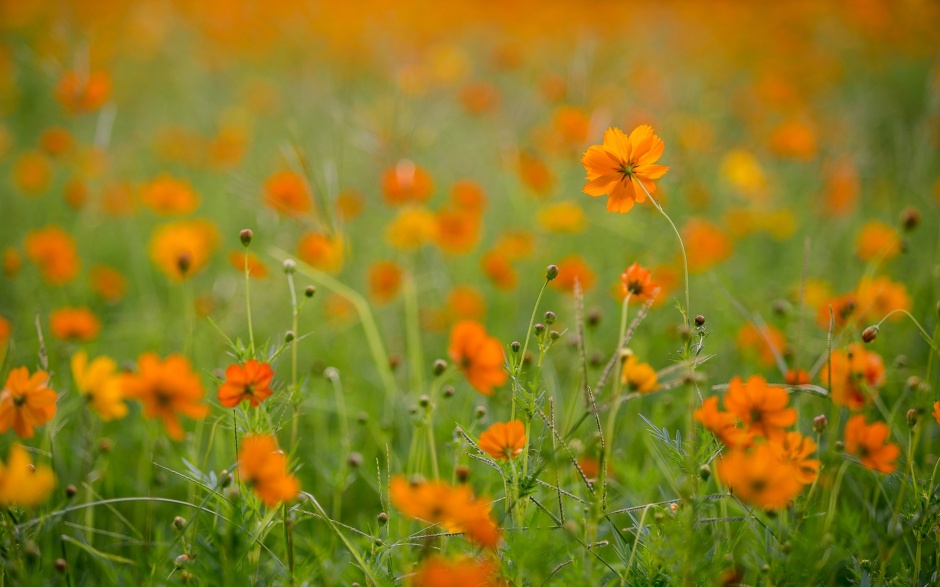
469, 294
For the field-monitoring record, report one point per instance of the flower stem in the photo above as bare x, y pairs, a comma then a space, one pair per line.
685, 258
251, 333
525, 345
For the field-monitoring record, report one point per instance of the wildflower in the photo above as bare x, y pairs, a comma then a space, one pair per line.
844, 309
760, 407
877, 241
349, 205
466, 572
321, 251
571, 269
936, 412
83, 93
56, 141
722, 424
288, 193
454, 508
74, 324
766, 342
412, 228
638, 377
842, 187
535, 174
466, 303
117, 199
406, 183
26, 402
22, 483
503, 440
797, 377
107, 282
793, 450
868, 443
743, 171
619, 167
181, 249
32, 173
878, 296
5, 331
563, 217
571, 125
856, 374
76, 193
515, 245
385, 278
499, 271
263, 467
166, 388
99, 383
794, 139
457, 231
468, 196
705, 244
478, 356
53, 251
256, 267
251, 381
12, 262
756, 477
168, 196
637, 281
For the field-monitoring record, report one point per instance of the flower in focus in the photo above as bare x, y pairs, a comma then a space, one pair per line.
636, 376
877, 241
168, 196
760, 407
453, 507
26, 402
623, 166
83, 92
478, 356
251, 382
74, 324
868, 443
166, 388
503, 440
756, 477
406, 183
22, 483
856, 374
53, 251
263, 467
466, 572
637, 281
288, 193
99, 383
256, 267
181, 249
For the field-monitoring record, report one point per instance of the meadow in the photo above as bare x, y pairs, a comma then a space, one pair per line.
469, 294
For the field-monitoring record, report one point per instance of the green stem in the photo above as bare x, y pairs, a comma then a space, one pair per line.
525, 346
916, 323
413, 334
685, 259
251, 333
615, 406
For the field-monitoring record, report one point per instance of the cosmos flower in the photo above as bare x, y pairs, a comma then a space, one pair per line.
263, 467
503, 440
251, 382
167, 388
478, 356
26, 402
618, 167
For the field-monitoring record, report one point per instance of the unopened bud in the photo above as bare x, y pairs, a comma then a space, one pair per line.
362, 418
870, 333
382, 518
424, 401
819, 423
551, 272
554, 335
704, 472
181, 561
393, 362
289, 266
839, 445
245, 235
912, 417
104, 445
310, 291
550, 317
289, 336
70, 491
60, 565
539, 329
179, 522
910, 218
700, 320
515, 346
439, 367
594, 318
354, 460
462, 472
480, 412
449, 391
659, 516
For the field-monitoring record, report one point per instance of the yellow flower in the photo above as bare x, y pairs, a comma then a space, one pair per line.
21, 483
100, 384
638, 377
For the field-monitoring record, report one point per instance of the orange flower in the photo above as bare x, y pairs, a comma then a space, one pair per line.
22, 483
256, 267
638, 377
181, 249
868, 443
466, 303
32, 173
349, 205
457, 231
793, 450
503, 440
406, 183
100, 385
12, 262
74, 324
498, 270
794, 139
936, 412
76, 193
878, 296
722, 424
26, 402
107, 283
535, 174
856, 374
56, 141
515, 244
117, 199
288, 193
760, 407
251, 381
5, 331
766, 345
321, 251
263, 467
619, 166
705, 244
570, 269
468, 196
83, 93
637, 281
571, 125
842, 187
454, 508
166, 388
53, 251
437, 572
743, 171
877, 241
477, 98
479, 356
757, 477
797, 377
168, 196
385, 279
563, 217
844, 309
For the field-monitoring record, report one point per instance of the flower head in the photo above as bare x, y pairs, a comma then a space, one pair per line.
856, 374
182, 248
26, 402
53, 251
263, 467
793, 450
756, 476
760, 407
638, 377
503, 440
868, 442
288, 193
22, 483
623, 166
167, 388
479, 356
74, 324
100, 384
251, 382
638, 281
467, 572
453, 507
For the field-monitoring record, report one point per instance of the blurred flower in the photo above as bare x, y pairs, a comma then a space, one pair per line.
868, 442
571, 269
457, 231
100, 384
465, 302
743, 171
263, 467
503, 440
756, 477
32, 173
412, 228
76, 193
760, 407
256, 267
638, 377
53, 251
793, 450
183, 248
251, 382
936, 412
878, 296
515, 245
74, 324
288, 193
26, 402
535, 174
842, 187
497, 268
406, 183
723, 425
478, 98
468, 196
570, 125
107, 282
349, 205
12, 262
877, 241
168, 196
166, 389
706, 245
795, 139
21, 483
621, 164
321, 251
765, 343
856, 375
385, 279
844, 308
56, 141
478, 356
454, 508
83, 92
465, 572
563, 217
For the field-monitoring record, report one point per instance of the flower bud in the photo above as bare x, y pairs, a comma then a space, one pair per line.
594, 318
462, 472
60, 565
550, 317
179, 522
819, 423
289, 266
515, 346
539, 329
449, 391
551, 272
246, 235
70, 491
910, 218
704, 472
700, 320
480, 412
382, 518
310, 291
912, 417
870, 334
289, 336
424, 401
439, 367
354, 460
